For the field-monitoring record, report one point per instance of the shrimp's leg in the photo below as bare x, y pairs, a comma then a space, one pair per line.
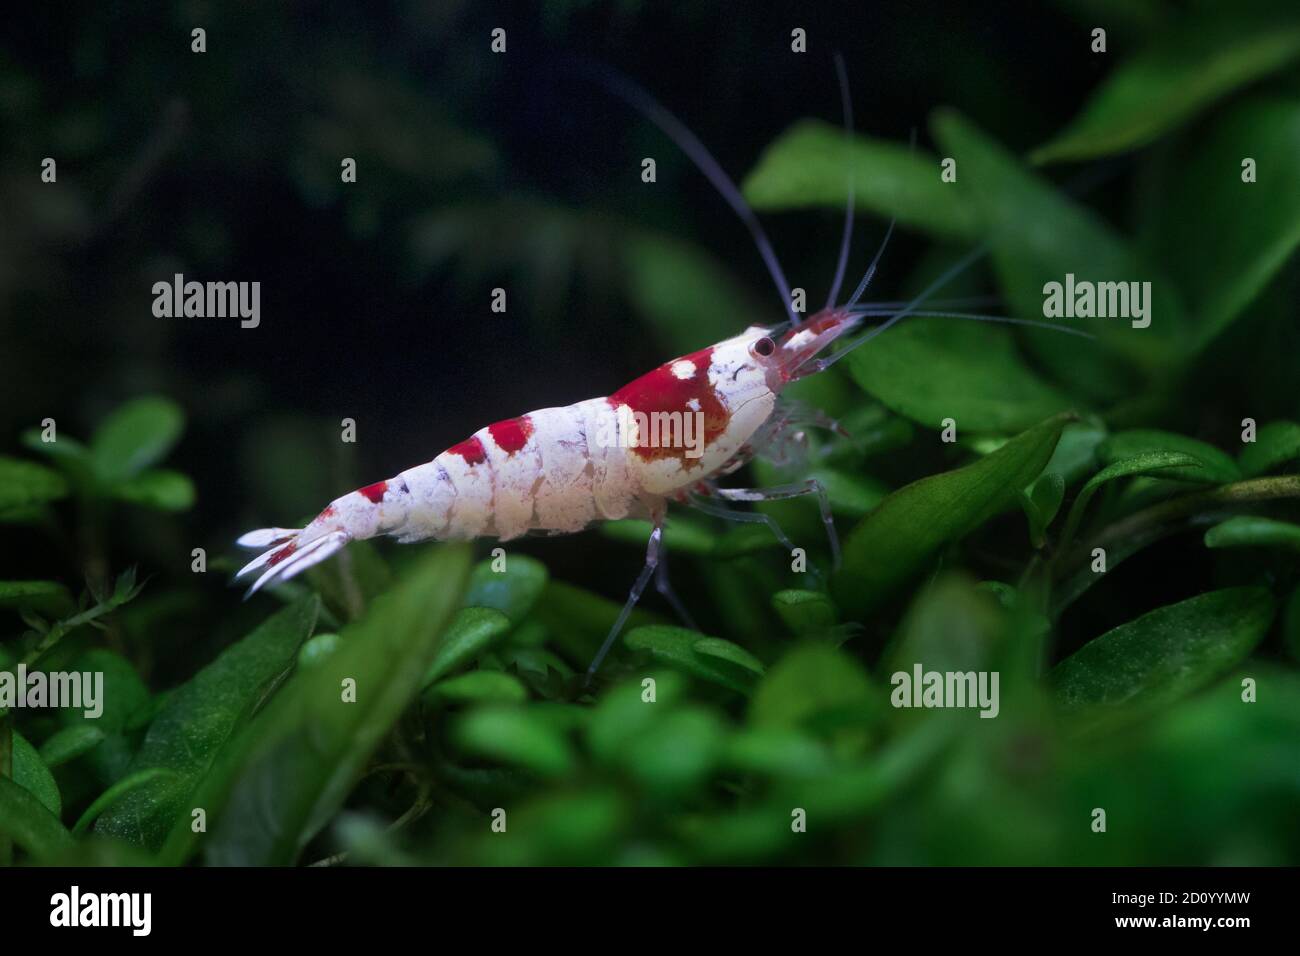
664, 587
652, 555
810, 486
699, 503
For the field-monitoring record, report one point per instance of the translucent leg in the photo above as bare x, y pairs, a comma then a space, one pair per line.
777, 493
664, 587
750, 517
651, 562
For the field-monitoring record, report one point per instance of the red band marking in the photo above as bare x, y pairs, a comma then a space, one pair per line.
374, 492
471, 449
662, 391
511, 434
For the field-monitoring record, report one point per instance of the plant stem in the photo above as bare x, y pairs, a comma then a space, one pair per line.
1136, 531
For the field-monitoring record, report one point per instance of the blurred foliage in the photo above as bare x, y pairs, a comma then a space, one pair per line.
1163, 689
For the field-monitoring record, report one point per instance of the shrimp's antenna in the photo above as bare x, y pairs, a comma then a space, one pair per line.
948, 275
913, 308
871, 269
846, 102
699, 154
978, 317
892, 306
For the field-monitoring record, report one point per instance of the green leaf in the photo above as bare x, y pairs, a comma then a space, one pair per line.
811, 164
676, 752
1076, 452
161, 489
1197, 191
26, 821
1039, 236
718, 649
580, 827
624, 711
806, 612
24, 483
814, 687
317, 648
1141, 463
973, 373
30, 771
45, 597
676, 647
1212, 465
124, 693
137, 435
152, 779
472, 632
1186, 69
124, 699
851, 495
516, 736
66, 745
778, 752
915, 521
1041, 503
480, 686
1275, 444
1251, 531
512, 591
309, 745
197, 721
1161, 656
953, 625
63, 449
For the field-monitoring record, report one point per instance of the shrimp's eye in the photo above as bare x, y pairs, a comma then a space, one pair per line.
763, 347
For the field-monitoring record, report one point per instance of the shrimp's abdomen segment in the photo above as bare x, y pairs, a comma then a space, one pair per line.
511, 454
431, 494
470, 477
518, 475
565, 500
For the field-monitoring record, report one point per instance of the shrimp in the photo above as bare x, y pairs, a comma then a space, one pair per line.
559, 470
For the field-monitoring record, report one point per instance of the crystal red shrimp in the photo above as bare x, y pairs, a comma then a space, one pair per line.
558, 470
554, 470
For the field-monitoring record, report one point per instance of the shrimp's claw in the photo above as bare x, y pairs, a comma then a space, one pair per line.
266, 537
291, 557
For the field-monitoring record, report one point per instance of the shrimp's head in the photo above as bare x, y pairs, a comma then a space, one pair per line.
788, 355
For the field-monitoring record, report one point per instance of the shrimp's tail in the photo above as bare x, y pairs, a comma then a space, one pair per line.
289, 553
380, 508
